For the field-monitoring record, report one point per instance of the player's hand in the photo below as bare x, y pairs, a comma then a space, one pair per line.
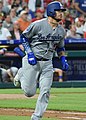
64, 62
31, 59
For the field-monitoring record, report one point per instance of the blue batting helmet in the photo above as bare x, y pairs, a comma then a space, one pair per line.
54, 6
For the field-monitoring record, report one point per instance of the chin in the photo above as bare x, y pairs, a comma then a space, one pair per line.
58, 20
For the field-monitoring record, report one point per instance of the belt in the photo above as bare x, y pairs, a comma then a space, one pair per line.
42, 59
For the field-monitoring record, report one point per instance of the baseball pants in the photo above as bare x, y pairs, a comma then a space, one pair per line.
42, 72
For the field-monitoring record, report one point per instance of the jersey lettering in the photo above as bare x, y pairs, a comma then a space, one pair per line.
49, 37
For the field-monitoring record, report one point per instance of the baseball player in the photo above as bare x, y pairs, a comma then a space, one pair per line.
40, 40
7, 75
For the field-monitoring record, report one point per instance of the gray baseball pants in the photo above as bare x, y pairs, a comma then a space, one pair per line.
42, 72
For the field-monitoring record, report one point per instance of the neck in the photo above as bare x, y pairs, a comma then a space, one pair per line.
53, 23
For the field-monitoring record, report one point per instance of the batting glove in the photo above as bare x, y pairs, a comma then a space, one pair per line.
65, 65
31, 59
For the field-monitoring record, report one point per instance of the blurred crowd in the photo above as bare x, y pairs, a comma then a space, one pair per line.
7, 75
16, 15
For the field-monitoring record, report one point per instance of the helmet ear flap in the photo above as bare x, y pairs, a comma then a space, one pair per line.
53, 14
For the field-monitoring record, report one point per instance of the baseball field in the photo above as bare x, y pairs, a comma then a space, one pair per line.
64, 104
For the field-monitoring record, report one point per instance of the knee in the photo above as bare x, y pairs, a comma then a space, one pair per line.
44, 95
29, 92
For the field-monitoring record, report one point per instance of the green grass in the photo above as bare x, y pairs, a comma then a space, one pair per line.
68, 99
11, 91
53, 90
69, 102
14, 117
18, 103
21, 118
68, 90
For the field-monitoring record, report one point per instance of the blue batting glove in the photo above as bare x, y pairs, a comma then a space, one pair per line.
19, 51
65, 65
31, 59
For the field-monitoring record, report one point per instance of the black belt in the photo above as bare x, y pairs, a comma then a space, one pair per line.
42, 59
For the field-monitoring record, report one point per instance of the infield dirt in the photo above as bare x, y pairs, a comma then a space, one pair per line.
49, 114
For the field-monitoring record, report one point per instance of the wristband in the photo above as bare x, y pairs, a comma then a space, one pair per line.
60, 77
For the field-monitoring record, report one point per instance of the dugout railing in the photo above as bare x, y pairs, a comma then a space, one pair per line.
76, 55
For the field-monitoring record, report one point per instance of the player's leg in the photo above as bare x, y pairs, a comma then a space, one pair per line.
45, 83
29, 77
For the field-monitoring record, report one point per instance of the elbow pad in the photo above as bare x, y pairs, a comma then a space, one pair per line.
23, 39
25, 43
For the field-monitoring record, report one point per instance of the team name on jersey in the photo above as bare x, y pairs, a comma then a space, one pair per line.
49, 37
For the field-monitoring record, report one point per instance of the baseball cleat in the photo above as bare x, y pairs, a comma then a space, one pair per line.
17, 83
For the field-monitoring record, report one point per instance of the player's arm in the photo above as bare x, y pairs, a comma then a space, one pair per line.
60, 49
24, 40
61, 55
25, 43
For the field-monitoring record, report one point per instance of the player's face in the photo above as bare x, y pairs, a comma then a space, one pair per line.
57, 18
59, 15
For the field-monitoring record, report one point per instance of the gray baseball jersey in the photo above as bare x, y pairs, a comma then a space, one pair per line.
43, 38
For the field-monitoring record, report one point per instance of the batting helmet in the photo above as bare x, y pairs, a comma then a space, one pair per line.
54, 6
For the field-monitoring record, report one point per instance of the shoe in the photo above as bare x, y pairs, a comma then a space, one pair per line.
16, 81
17, 78
33, 117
